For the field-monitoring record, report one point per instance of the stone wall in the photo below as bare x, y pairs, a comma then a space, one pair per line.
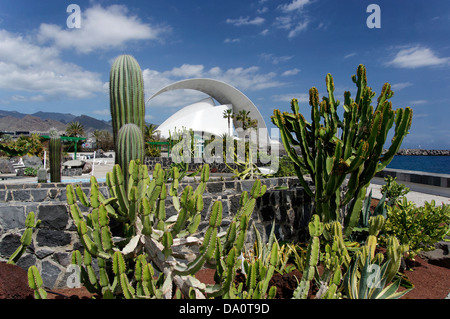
56, 237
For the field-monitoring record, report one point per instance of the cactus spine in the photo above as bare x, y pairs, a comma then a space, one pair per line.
126, 94
357, 152
55, 159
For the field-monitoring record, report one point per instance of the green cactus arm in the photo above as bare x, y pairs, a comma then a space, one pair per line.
35, 283
402, 125
25, 239
352, 218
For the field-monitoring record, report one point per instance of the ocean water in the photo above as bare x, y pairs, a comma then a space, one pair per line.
432, 164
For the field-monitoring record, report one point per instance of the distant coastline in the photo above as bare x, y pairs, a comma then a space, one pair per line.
421, 152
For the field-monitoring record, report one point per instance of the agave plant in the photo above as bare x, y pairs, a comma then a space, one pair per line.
371, 282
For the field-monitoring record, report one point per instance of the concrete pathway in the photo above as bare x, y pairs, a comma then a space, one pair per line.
419, 193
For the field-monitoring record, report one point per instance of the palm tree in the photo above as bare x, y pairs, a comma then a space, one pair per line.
244, 117
149, 132
253, 123
75, 129
228, 114
149, 136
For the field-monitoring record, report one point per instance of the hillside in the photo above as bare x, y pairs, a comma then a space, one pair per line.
44, 121
29, 123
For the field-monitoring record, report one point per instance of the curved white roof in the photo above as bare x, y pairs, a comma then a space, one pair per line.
225, 94
202, 116
222, 92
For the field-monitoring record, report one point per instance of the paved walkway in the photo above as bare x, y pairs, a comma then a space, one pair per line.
418, 193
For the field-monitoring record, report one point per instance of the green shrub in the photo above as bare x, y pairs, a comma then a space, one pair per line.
393, 190
285, 167
418, 227
30, 171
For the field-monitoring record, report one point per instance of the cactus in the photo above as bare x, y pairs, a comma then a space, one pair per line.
357, 152
312, 257
55, 159
130, 146
149, 236
26, 238
126, 89
394, 253
370, 282
35, 282
345, 275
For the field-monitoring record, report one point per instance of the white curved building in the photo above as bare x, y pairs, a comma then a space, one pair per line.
205, 117
202, 117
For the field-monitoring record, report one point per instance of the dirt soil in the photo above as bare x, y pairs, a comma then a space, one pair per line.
430, 282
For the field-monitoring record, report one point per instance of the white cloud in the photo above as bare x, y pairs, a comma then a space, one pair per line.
418, 102
102, 112
292, 21
262, 10
265, 32
228, 40
246, 21
401, 86
415, 57
101, 28
301, 97
291, 72
301, 26
187, 71
39, 71
350, 55
275, 59
294, 5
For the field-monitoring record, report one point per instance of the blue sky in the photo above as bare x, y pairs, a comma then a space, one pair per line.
270, 50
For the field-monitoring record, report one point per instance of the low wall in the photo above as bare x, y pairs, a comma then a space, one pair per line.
426, 178
56, 238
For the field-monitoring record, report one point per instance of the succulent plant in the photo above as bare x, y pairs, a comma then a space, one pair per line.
333, 148
149, 237
35, 282
126, 89
130, 146
26, 238
55, 159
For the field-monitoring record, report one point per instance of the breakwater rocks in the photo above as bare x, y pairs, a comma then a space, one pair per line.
420, 152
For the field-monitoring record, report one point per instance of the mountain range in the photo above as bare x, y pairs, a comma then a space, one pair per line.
44, 121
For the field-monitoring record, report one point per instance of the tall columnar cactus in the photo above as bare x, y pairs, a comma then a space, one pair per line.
333, 148
130, 146
55, 159
126, 89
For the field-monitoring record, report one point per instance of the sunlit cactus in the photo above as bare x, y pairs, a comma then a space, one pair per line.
126, 89
333, 148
